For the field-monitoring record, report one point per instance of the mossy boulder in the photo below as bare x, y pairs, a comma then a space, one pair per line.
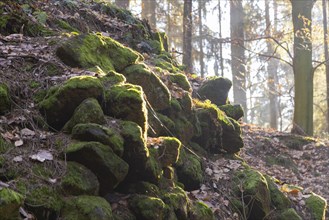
144, 188
86, 208
231, 139
79, 180
185, 101
147, 207
101, 160
216, 90
110, 78
199, 210
161, 124
121, 212
181, 80
286, 214
44, 201
91, 50
126, 102
177, 199
296, 142
166, 150
278, 200
184, 129
136, 153
189, 170
317, 206
233, 111
4, 99
10, 202
61, 102
89, 111
105, 135
251, 187
156, 91
153, 169
166, 65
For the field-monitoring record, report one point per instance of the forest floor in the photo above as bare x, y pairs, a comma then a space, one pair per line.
300, 164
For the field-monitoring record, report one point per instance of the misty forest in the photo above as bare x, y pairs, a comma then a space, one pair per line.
164, 109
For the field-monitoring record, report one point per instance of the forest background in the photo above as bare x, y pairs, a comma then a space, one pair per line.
272, 50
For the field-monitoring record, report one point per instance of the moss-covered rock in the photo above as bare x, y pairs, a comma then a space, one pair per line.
231, 139
147, 208
153, 169
4, 99
160, 125
10, 201
121, 212
164, 64
89, 111
184, 129
79, 180
92, 50
156, 91
144, 188
86, 208
105, 135
317, 206
278, 200
189, 170
44, 201
233, 111
176, 198
111, 78
126, 102
136, 152
166, 150
181, 80
286, 214
199, 210
216, 90
295, 142
58, 107
252, 187
185, 101
101, 160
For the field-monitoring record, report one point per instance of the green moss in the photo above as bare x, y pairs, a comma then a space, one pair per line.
147, 208
181, 80
253, 188
160, 125
144, 188
156, 91
278, 199
295, 141
66, 26
126, 102
78, 180
10, 202
4, 145
86, 208
199, 210
286, 214
216, 90
168, 150
89, 111
189, 170
81, 51
111, 78
283, 161
175, 105
163, 64
317, 206
153, 169
4, 99
233, 111
176, 198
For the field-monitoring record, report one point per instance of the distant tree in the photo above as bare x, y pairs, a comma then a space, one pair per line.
201, 5
122, 3
238, 53
149, 11
187, 35
302, 66
326, 54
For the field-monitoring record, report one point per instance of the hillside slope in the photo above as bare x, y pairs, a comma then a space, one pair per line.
98, 121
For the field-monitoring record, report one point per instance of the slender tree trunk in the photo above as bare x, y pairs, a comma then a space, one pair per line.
168, 26
187, 35
271, 71
237, 53
122, 3
220, 38
149, 12
302, 66
200, 4
326, 54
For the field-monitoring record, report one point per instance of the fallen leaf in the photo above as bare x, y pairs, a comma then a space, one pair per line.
27, 132
18, 158
19, 143
42, 155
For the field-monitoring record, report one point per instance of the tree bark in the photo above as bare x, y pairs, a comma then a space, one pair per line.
149, 12
326, 54
187, 35
122, 3
220, 38
201, 57
302, 67
237, 53
272, 79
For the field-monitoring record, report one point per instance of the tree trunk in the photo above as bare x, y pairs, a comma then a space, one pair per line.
122, 3
326, 54
272, 72
187, 35
220, 38
149, 12
200, 4
302, 66
237, 54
